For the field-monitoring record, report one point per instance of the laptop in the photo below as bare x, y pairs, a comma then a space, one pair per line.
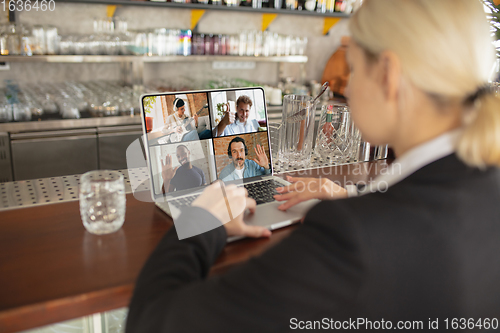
193, 138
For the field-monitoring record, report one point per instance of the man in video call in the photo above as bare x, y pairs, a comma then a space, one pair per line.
182, 177
242, 124
241, 167
181, 123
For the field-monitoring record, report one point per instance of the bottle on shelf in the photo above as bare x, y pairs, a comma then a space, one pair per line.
328, 128
3, 41
330, 6
340, 5
321, 6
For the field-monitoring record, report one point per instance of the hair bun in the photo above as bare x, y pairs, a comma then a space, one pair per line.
481, 91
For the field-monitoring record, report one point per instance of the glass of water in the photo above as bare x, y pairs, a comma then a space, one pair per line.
336, 138
297, 131
102, 201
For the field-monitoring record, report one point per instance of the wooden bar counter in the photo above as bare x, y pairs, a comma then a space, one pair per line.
52, 269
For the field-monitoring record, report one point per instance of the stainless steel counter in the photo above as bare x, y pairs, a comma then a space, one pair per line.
61, 124
44, 191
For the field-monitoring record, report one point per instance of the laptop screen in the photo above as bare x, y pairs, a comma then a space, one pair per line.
197, 137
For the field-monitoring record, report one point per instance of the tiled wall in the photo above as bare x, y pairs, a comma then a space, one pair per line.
78, 19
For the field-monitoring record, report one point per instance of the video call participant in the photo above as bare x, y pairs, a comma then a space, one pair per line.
183, 177
240, 166
242, 124
179, 122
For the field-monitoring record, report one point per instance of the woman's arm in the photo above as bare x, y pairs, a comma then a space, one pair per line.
315, 272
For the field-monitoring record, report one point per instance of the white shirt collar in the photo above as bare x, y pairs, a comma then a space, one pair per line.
415, 159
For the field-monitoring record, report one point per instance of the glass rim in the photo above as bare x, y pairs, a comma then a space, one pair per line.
102, 176
295, 97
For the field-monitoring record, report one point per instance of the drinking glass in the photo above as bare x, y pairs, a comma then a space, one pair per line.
297, 132
258, 37
336, 137
5, 112
381, 152
234, 45
66, 45
291, 4
21, 112
51, 39
13, 42
256, 3
321, 6
4, 50
102, 201
363, 152
274, 132
250, 47
242, 44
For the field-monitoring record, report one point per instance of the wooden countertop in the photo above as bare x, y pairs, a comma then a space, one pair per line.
52, 269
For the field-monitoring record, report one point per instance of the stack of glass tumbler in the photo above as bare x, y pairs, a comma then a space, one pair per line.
337, 140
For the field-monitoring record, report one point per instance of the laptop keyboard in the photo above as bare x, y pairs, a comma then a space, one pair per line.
184, 201
262, 192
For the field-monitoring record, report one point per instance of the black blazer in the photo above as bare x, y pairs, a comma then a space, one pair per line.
428, 249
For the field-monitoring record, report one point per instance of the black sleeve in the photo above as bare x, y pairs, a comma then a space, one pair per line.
314, 272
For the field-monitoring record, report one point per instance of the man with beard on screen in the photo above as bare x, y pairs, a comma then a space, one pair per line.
184, 176
241, 167
241, 124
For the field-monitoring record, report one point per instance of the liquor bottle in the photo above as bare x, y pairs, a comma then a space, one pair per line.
330, 6
340, 5
328, 128
321, 6
324, 139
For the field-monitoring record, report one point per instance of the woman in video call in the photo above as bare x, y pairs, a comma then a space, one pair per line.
178, 122
426, 249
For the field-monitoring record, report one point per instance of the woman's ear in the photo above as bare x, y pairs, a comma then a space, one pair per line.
390, 75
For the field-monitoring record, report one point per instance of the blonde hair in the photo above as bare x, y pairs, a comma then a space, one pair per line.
445, 49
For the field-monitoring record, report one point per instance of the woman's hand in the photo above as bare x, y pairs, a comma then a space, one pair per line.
228, 204
303, 189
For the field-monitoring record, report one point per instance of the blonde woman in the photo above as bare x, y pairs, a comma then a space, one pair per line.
419, 249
